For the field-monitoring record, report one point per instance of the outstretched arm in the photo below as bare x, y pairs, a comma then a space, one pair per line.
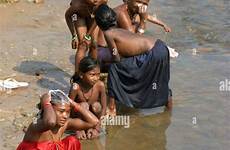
78, 124
48, 119
154, 20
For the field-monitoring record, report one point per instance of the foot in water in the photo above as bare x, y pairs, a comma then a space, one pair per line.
169, 105
111, 112
81, 135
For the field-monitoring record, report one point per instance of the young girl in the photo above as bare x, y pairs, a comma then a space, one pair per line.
46, 132
89, 91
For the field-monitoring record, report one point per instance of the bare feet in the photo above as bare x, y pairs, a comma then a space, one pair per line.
92, 134
111, 112
81, 135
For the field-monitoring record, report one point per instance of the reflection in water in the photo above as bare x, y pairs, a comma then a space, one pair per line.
145, 132
205, 26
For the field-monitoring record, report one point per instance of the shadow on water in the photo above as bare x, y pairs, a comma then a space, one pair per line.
49, 75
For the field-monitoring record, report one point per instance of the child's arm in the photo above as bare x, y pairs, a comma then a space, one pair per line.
78, 124
112, 47
154, 20
68, 17
124, 22
48, 119
103, 98
73, 91
71, 17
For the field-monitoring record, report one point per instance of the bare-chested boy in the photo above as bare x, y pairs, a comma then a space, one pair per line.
80, 20
132, 15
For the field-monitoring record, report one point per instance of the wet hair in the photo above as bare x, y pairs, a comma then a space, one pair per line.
87, 64
105, 17
57, 97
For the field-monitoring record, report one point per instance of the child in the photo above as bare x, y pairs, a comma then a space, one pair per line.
47, 130
81, 23
133, 15
89, 91
125, 81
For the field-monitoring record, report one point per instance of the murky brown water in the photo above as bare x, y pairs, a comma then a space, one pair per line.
200, 118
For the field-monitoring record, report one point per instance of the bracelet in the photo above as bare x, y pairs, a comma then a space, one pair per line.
75, 109
141, 30
87, 37
74, 37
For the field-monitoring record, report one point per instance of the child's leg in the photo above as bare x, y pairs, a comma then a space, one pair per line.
81, 135
82, 47
93, 44
85, 105
112, 107
169, 104
96, 108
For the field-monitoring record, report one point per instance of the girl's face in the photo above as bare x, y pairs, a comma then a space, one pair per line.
62, 113
92, 76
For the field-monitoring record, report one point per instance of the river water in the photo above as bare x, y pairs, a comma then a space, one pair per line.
200, 80
200, 76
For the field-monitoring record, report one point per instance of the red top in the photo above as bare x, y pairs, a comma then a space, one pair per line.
68, 143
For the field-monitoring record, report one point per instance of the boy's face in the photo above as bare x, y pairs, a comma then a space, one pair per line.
137, 5
92, 76
94, 2
62, 113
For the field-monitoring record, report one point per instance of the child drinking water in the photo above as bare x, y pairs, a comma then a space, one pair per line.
89, 91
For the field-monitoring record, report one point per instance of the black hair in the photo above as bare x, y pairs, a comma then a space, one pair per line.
87, 64
105, 17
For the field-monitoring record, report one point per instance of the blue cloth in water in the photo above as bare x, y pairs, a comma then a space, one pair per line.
142, 81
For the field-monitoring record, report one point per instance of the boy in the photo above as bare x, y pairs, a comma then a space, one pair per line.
80, 20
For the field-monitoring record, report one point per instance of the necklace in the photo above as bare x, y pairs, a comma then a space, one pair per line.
52, 137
